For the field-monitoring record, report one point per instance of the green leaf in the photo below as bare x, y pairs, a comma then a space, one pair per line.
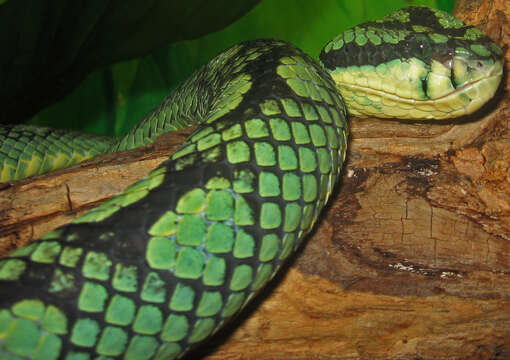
141, 84
49, 46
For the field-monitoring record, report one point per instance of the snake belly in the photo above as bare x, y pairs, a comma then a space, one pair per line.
161, 267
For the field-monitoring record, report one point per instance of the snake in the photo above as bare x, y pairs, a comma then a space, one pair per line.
158, 269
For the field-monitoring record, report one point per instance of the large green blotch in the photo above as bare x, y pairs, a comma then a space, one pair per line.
238, 152
29, 309
191, 230
244, 245
208, 142
54, 321
54, 234
190, 263
243, 182
5, 320
310, 112
220, 238
325, 160
300, 133
288, 245
269, 248
270, 215
307, 160
112, 342
120, 311
324, 114
264, 273
154, 289
318, 135
256, 128
99, 213
269, 107
361, 39
234, 303
233, 132
192, 202
480, 50
265, 154
25, 250
96, 266
220, 205
298, 86
201, 133
141, 348
438, 38
309, 187
22, 337
214, 272
175, 328
217, 183
243, 214
46, 252
184, 151
48, 348
291, 187
291, 107
292, 217
125, 278
242, 277
202, 329
374, 37
280, 129
148, 320
92, 297
287, 159
85, 332
307, 221
168, 351
165, 225
210, 303
182, 298
269, 184
161, 253
70, 256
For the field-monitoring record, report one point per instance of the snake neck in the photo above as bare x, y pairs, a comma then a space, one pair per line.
189, 103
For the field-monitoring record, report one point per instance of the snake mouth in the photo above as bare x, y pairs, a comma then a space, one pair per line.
491, 76
467, 86
463, 100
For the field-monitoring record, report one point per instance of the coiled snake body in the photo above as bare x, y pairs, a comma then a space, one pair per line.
161, 267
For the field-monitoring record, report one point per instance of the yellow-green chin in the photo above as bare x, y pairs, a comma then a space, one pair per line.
365, 101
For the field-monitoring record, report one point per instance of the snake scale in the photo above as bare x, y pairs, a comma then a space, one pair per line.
158, 269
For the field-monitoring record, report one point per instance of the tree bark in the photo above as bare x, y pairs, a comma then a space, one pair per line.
410, 260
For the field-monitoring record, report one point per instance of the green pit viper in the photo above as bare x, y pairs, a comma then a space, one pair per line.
158, 269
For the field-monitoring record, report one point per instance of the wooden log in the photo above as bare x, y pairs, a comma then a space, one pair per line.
32, 207
411, 259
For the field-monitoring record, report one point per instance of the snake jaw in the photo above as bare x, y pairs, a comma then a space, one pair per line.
444, 90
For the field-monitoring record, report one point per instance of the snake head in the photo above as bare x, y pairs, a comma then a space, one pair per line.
415, 63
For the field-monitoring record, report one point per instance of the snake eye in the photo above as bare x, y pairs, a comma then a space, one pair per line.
420, 46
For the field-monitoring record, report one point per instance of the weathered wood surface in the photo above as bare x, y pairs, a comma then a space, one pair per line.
410, 261
30, 208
